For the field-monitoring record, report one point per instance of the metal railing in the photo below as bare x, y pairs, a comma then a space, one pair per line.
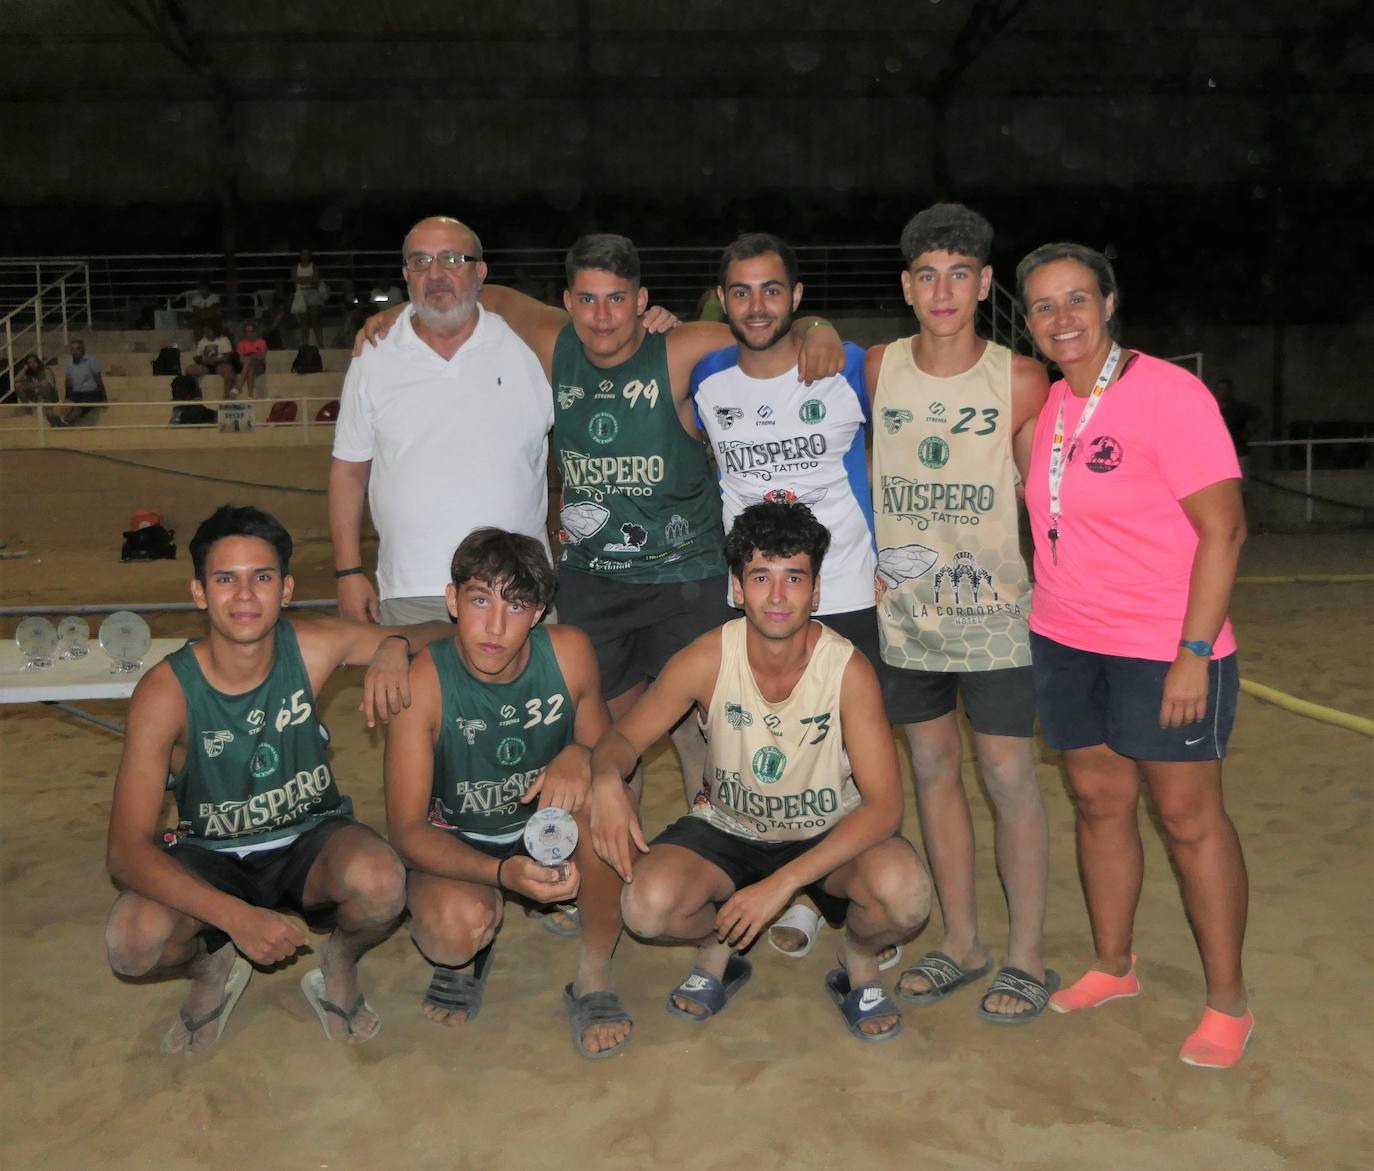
43, 428
127, 291
1308, 468
48, 310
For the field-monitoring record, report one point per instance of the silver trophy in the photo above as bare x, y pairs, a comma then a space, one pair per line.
551, 837
125, 638
73, 634
36, 639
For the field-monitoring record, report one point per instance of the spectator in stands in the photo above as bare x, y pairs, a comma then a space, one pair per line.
84, 383
204, 308
384, 294
357, 307
308, 301
213, 354
277, 318
252, 351
34, 383
187, 391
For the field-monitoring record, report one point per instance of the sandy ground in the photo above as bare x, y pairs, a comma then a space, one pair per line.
773, 1082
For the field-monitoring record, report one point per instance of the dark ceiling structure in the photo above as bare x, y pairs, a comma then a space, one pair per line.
1217, 126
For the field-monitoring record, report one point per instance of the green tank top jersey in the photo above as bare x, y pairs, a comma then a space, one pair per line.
495, 740
639, 500
257, 765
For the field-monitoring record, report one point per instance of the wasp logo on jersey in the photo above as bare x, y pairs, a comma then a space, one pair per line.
727, 417
737, 717
567, 395
893, 418
470, 728
214, 742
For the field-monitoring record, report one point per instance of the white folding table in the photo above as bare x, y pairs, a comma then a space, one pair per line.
89, 677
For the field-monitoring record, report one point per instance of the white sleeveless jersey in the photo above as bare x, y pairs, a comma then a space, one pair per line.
777, 772
953, 589
777, 438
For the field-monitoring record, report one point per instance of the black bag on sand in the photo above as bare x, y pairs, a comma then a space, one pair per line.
150, 543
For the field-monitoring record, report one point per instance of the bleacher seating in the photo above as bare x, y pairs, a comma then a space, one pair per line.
126, 359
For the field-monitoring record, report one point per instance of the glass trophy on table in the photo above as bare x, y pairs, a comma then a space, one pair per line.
72, 636
36, 639
124, 636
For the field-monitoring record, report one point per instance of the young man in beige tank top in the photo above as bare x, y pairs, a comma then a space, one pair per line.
953, 419
802, 788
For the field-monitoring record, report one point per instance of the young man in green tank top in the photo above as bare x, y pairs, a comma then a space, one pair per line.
953, 419
502, 719
641, 571
232, 718
803, 789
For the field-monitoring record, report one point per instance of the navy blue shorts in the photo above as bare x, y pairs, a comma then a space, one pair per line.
1087, 698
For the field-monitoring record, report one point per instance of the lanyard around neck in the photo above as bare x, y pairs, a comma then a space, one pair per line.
1057, 462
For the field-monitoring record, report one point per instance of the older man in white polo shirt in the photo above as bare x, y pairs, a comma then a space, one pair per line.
443, 427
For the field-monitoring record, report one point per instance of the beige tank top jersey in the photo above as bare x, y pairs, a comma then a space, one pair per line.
778, 772
953, 593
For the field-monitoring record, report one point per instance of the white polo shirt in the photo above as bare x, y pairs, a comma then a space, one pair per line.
455, 444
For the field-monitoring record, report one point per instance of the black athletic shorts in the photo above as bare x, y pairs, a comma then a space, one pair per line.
636, 627
274, 879
998, 703
746, 862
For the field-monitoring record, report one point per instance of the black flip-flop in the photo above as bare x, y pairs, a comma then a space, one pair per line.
943, 975
1021, 984
595, 1008
461, 990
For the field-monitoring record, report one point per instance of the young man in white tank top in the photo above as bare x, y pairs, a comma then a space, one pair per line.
953, 416
802, 788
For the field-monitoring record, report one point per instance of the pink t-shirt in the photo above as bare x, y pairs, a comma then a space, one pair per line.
1126, 547
252, 347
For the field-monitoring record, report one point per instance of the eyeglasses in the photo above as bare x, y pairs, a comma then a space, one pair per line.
421, 261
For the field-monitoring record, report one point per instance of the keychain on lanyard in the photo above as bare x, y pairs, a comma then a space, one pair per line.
1057, 447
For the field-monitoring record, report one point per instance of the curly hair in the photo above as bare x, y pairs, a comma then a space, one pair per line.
947, 227
776, 528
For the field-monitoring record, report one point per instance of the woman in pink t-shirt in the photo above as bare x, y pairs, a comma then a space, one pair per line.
252, 351
1134, 501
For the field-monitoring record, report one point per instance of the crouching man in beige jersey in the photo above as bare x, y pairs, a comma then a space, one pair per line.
801, 787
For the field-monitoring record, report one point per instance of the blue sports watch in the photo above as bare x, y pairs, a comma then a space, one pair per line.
1202, 649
